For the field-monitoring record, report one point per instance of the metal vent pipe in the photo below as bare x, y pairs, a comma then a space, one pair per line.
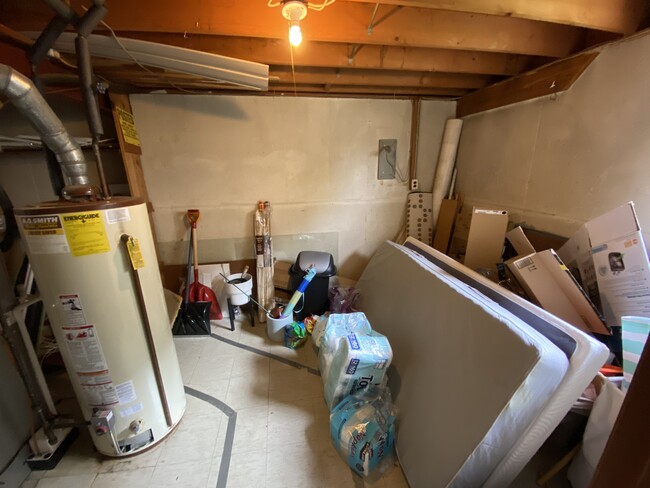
27, 99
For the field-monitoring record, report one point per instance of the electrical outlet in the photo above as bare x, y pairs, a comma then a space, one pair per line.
415, 185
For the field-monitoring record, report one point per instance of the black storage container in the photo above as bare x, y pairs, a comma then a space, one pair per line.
315, 299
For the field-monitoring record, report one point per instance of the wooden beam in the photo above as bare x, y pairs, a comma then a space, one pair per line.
362, 90
340, 22
553, 78
378, 78
336, 55
15, 38
620, 16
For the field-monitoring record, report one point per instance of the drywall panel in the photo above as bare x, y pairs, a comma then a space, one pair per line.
314, 159
558, 161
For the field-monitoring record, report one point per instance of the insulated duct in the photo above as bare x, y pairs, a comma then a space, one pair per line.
26, 98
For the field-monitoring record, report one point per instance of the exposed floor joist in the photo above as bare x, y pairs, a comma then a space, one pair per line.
619, 16
337, 55
437, 48
340, 22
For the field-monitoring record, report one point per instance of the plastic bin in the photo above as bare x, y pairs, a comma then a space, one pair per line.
315, 300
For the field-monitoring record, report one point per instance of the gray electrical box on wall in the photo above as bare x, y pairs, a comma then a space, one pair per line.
387, 159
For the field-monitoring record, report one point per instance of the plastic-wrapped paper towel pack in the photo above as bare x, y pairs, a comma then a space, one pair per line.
359, 361
363, 432
328, 334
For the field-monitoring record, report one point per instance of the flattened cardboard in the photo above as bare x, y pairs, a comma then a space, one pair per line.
610, 254
445, 226
551, 285
520, 242
487, 232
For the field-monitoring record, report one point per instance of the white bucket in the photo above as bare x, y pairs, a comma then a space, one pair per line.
239, 293
275, 327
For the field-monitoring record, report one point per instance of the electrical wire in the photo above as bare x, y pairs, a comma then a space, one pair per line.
321, 6
398, 174
293, 71
119, 43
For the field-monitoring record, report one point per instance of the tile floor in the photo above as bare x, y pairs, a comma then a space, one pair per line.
281, 435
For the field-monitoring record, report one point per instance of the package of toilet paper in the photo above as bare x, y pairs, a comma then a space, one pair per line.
329, 334
359, 361
363, 432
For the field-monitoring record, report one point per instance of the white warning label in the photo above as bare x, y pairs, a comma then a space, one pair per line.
85, 350
71, 310
126, 392
115, 215
100, 395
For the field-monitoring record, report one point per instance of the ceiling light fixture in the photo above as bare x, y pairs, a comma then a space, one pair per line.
294, 11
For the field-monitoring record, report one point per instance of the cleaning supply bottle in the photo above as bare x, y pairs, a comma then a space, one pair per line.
311, 272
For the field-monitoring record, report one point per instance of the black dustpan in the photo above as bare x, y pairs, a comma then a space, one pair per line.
192, 318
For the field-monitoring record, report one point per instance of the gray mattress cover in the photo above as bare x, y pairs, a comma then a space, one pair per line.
468, 376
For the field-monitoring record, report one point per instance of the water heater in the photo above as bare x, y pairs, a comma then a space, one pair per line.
97, 272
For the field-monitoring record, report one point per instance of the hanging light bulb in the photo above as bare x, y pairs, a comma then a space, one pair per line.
295, 34
294, 11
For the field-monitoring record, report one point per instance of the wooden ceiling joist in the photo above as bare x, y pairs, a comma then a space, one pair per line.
619, 16
548, 80
337, 55
378, 78
340, 22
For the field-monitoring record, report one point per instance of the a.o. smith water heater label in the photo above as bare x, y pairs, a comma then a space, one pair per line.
44, 234
86, 233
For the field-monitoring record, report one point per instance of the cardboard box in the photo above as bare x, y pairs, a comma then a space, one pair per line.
550, 284
445, 226
487, 232
611, 257
520, 242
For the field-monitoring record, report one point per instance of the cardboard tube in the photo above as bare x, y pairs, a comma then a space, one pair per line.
446, 162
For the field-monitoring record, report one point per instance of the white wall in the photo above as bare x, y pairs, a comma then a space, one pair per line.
555, 163
314, 159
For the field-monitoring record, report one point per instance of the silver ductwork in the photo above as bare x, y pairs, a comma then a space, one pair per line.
27, 99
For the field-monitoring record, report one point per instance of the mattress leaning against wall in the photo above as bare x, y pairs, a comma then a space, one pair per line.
469, 376
585, 354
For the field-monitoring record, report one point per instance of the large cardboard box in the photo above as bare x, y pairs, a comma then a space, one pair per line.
611, 256
487, 232
548, 282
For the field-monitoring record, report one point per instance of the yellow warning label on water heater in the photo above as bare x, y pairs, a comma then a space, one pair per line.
137, 261
86, 233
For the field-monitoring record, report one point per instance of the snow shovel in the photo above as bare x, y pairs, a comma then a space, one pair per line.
192, 318
198, 291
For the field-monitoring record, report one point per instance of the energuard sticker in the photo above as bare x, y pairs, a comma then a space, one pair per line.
44, 234
86, 233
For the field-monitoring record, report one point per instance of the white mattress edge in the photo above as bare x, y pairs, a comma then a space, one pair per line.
584, 364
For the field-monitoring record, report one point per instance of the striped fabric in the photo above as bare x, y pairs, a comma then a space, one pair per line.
635, 335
